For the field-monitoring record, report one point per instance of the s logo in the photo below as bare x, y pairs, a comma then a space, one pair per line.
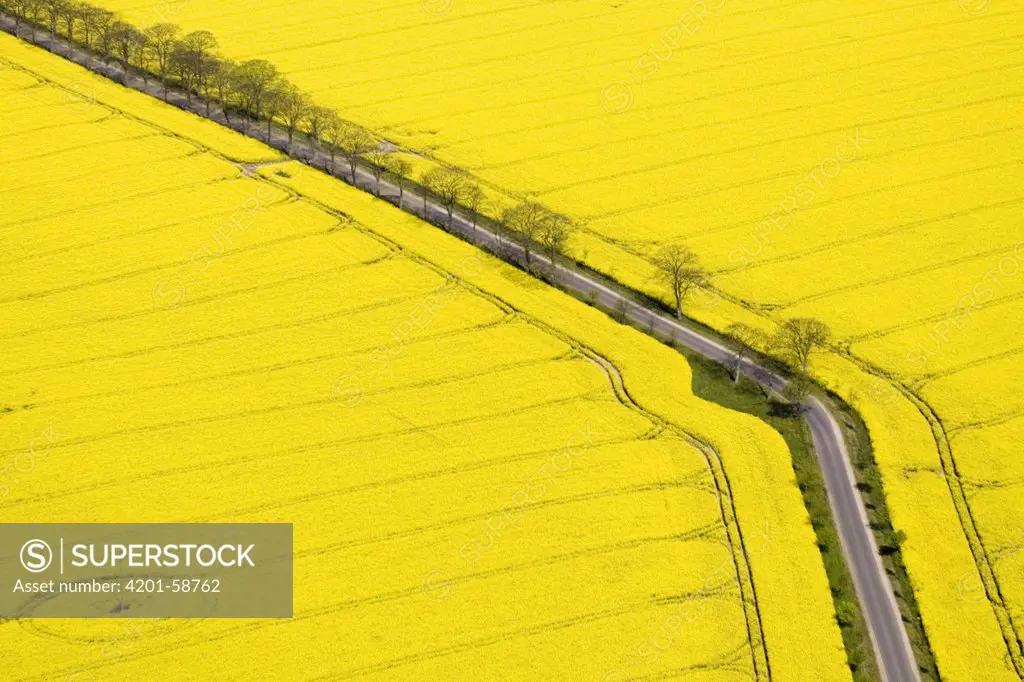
36, 556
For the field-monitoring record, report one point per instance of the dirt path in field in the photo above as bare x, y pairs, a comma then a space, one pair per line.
875, 593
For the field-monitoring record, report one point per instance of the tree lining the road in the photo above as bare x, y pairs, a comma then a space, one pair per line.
449, 185
256, 93
679, 270
747, 340
799, 337
318, 123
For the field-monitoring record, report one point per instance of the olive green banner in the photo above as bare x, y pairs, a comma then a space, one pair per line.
173, 570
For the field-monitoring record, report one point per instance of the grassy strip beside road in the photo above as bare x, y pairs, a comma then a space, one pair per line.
714, 383
869, 484
711, 381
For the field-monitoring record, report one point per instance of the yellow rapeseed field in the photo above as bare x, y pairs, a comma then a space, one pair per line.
202, 332
857, 162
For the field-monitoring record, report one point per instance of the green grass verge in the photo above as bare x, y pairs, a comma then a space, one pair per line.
714, 383
869, 483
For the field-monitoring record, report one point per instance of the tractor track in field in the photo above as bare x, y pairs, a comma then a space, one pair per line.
727, 507
888, 635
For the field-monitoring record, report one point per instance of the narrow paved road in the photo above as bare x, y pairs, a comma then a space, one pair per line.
885, 625
889, 637
888, 634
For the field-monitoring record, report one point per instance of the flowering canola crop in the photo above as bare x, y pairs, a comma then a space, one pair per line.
860, 163
204, 333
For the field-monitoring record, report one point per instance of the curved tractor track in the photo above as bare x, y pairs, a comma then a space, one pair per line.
892, 645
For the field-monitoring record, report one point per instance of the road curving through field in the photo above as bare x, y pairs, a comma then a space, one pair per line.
889, 637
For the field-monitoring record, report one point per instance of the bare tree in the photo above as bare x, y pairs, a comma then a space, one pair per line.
208, 68
27, 11
162, 38
71, 13
295, 108
798, 337
679, 270
449, 185
378, 159
200, 43
181, 68
195, 53
499, 208
746, 339
106, 27
316, 119
20, 9
354, 142
555, 233
222, 78
94, 20
525, 221
273, 103
53, 10
33, 9
398, 169
474, 201
16, 9
251, 81
425, 194
139, 53
127, 42
333, 129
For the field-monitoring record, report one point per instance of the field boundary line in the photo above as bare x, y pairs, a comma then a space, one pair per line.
574, 277
727, 507
954, 482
